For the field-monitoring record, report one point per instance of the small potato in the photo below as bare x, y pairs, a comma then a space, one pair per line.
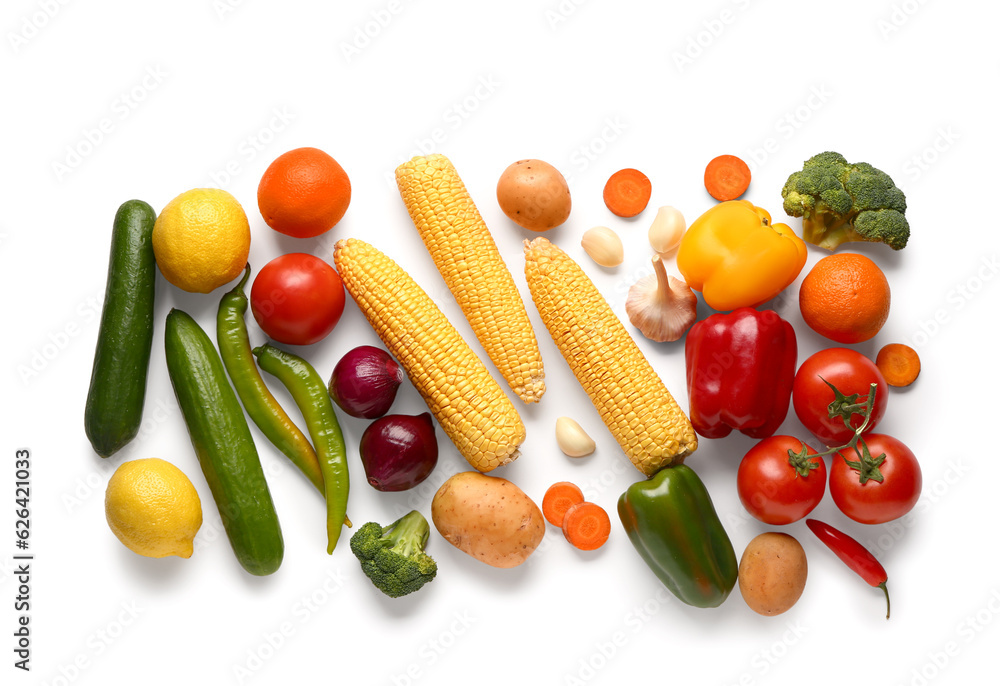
488, 517
772, 573
534, 195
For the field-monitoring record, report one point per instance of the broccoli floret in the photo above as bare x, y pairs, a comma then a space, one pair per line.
840, 202
393, 556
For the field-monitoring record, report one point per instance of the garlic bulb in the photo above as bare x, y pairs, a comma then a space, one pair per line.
660, 306
572, 439
666, 230
604, 246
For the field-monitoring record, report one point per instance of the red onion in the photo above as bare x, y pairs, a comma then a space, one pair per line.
365, 381
399, 451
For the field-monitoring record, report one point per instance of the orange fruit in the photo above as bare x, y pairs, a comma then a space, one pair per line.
845, 297
303, 193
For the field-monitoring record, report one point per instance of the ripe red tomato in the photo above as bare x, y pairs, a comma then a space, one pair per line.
297, 299
771, 489
851, 372
875, 502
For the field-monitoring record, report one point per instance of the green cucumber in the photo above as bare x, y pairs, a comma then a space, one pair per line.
224, 445
121, 360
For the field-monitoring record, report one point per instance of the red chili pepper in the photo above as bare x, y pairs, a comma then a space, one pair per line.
854, 555
740, 369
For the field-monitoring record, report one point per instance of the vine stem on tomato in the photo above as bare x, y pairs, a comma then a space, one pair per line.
854, 555
846, 407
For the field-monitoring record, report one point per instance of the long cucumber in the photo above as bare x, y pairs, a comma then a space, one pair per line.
224, 445
121, 360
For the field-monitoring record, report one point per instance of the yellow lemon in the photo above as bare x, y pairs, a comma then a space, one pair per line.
153, 508
201, 240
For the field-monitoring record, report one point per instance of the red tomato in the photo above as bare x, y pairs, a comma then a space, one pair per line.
875, 502
851, 372
771, 489
297, 299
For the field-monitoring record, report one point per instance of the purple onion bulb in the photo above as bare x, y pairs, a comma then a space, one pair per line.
399, 451
365, 381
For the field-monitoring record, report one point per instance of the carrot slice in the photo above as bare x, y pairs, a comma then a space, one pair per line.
627, 192
558, 499
727, 177
587, 526
899, 364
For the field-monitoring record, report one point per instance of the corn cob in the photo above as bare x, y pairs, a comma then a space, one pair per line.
631, 398
467, 257
469, 404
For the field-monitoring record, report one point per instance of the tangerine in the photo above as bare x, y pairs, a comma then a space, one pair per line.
845, 297
303, 193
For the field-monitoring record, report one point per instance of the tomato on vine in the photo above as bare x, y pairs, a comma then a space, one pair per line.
876, 482
780, 480
850, 373
874, 478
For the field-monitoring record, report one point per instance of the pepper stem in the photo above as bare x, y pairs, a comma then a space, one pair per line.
243, 281
886, 590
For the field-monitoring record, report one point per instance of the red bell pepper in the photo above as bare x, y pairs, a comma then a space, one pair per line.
740, 368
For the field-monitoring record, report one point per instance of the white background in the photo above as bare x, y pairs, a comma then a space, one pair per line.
189, 89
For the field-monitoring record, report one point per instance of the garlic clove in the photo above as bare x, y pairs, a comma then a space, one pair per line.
667, 229
604, 246
661, 306
572, 439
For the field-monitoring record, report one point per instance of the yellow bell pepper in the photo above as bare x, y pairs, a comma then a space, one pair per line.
736, 257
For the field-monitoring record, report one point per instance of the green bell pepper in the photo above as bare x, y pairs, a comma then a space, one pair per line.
672, 523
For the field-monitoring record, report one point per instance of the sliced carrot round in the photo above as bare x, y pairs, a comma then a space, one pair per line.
587, 526
558, 499
627, 192
727, 177
899, 364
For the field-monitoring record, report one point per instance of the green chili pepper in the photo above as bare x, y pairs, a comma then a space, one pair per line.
313, 400
260, 404
672, 523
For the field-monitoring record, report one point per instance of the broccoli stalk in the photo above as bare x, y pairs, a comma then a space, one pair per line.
393, 556
840, 202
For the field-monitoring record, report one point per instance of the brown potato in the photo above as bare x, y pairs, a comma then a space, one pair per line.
534, 195
772, 573
488, 517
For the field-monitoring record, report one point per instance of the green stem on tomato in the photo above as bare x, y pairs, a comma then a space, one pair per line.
313, 400
866, 465
802, 462
260, 404
846, 407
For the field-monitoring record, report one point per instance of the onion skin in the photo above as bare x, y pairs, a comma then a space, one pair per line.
365, 381
399, 451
